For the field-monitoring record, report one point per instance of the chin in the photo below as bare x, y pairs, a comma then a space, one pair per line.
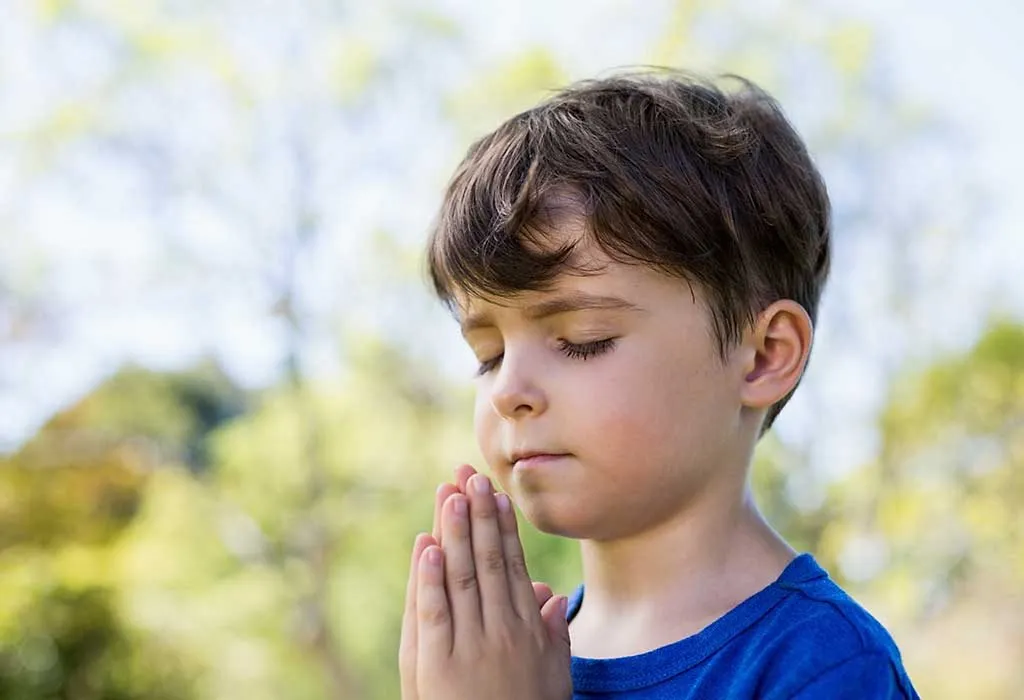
551, 520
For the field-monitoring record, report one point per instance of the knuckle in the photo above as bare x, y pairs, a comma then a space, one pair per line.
464, 580
482, 510
435, 616
494, 561
517, 566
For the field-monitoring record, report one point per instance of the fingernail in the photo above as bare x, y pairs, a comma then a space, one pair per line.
481, 484
504, 505
434, 556
563, 606
459, 506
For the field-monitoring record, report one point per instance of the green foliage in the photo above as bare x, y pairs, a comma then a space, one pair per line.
930, 534
948, 486
55, 506
171, 537
69, 643
72, 493
143, 577
774, 476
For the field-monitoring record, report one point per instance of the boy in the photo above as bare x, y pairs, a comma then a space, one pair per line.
637, 264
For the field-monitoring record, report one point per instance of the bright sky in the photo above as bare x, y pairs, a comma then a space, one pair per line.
962, 59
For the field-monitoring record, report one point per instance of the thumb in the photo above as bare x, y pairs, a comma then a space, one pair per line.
553, 615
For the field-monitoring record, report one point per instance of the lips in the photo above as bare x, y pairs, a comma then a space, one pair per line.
534, 457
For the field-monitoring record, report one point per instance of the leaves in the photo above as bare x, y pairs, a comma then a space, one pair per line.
172, 535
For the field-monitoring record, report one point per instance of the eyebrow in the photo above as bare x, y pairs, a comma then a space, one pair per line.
566, 303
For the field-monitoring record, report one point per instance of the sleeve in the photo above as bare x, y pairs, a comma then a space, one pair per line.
866, 675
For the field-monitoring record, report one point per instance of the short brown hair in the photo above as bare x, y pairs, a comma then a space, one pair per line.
668, 170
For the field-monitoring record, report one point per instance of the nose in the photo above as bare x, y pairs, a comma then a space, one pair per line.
516, 393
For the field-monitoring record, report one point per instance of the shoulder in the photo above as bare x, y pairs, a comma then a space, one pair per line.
819, 642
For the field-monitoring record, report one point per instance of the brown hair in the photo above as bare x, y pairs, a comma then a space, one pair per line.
667, 170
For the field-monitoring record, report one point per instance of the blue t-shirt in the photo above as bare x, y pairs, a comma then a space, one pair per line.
802, 637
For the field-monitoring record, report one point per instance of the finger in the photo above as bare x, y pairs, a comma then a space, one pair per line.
541, 592
440, 496
488, 553
520, 587
407, 646
463, 472
422, 541
460, 570
434, 620
553, 614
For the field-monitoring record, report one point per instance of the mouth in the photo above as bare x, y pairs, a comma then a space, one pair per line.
531, 458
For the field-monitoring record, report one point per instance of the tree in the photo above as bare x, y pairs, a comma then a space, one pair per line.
266, 172
929, 534
72, 493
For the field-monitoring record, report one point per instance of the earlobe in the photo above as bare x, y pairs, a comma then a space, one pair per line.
781, 341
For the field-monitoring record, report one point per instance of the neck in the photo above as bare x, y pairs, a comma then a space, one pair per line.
673, 579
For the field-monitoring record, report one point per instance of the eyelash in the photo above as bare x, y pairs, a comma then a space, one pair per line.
574, 351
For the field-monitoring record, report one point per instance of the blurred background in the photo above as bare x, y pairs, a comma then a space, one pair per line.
226, 396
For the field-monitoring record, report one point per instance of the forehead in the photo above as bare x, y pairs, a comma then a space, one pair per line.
591, 278
599, 283
589, 271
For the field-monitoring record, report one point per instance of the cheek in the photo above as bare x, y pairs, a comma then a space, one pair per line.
633, 424
486, 424
654, 410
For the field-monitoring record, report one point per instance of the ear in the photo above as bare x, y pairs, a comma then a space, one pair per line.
780, 341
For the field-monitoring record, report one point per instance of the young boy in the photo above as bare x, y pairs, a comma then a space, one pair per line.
637, 264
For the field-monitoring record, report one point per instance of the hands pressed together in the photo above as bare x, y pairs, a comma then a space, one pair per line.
475, 626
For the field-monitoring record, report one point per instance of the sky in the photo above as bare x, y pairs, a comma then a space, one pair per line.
967, 60
961, 59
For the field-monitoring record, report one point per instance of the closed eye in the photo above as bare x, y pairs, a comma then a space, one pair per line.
489, 365
584, 351
574, 351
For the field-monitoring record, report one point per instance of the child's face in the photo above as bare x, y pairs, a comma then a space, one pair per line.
617, 379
